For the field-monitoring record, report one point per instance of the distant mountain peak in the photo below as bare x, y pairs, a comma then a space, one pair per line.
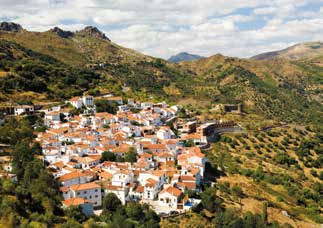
10, 27
295, 52
93, 31
62, 33
184, 56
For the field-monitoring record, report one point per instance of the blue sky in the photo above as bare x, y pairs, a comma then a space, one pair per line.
162, 28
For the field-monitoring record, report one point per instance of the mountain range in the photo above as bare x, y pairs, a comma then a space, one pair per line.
184, 56
58, 64
273, 166
308, 50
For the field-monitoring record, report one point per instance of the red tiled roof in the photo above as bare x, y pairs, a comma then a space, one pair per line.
80, 187
75, 201
173, 191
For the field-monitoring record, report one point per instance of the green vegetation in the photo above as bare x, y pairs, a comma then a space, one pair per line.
213, 209
114, 214
35, 196
106, 106
31, 71
277, 90
287, 163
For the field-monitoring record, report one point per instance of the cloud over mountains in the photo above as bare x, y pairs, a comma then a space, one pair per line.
164, 27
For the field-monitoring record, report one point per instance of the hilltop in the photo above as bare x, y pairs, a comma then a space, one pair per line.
271, 161
183, 56
278, 89
273, 89
307, 50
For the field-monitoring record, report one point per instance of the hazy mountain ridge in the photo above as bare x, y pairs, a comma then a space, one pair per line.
184, 56
308, 50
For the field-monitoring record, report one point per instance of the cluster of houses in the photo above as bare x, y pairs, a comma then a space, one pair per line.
161, 174
87, 152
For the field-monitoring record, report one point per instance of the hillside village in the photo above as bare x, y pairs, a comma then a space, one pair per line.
142, 153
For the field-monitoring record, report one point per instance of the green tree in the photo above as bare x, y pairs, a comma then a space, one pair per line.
111, 203
210, 201
108, 156
106, 106
131, 155
76, 213
265, 213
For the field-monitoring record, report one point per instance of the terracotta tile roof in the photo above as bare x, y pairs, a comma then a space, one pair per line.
75, 99
80, 187
146, 155
105, 175
95, 157
71, 175
156, 147
64, 189
139, 189
187, 185
151, 182
173, 191
113, 187
74, 202
187, 178
158, 173
59, 164
192, 136
123, 148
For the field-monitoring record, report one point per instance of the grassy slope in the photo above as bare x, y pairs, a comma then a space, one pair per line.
285, 181
276, 89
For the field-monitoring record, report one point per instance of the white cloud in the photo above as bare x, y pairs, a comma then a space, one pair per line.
165, 27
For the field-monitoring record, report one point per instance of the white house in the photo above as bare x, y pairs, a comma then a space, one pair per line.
122, 178
165, 133
170, 197
76, 102
53, 116
23, 109
88, 191
120, 192
86, 205
73, 178
88, 101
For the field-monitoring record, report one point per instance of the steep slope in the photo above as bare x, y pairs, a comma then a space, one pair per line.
87, 46
90, 50
183, 56
278, 89
27, 75
299, 51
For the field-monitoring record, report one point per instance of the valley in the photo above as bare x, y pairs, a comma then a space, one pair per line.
269, 174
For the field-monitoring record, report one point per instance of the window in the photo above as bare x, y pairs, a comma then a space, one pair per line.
96, 190
96, 196
84, 192
78, 193
90, 197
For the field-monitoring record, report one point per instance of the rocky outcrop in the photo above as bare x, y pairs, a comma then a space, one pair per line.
10, 27
94, 32
62, 33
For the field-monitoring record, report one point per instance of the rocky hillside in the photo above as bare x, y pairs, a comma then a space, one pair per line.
275, 89
184, 56
308, 50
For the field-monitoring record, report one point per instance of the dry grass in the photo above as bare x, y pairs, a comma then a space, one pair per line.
4, 74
